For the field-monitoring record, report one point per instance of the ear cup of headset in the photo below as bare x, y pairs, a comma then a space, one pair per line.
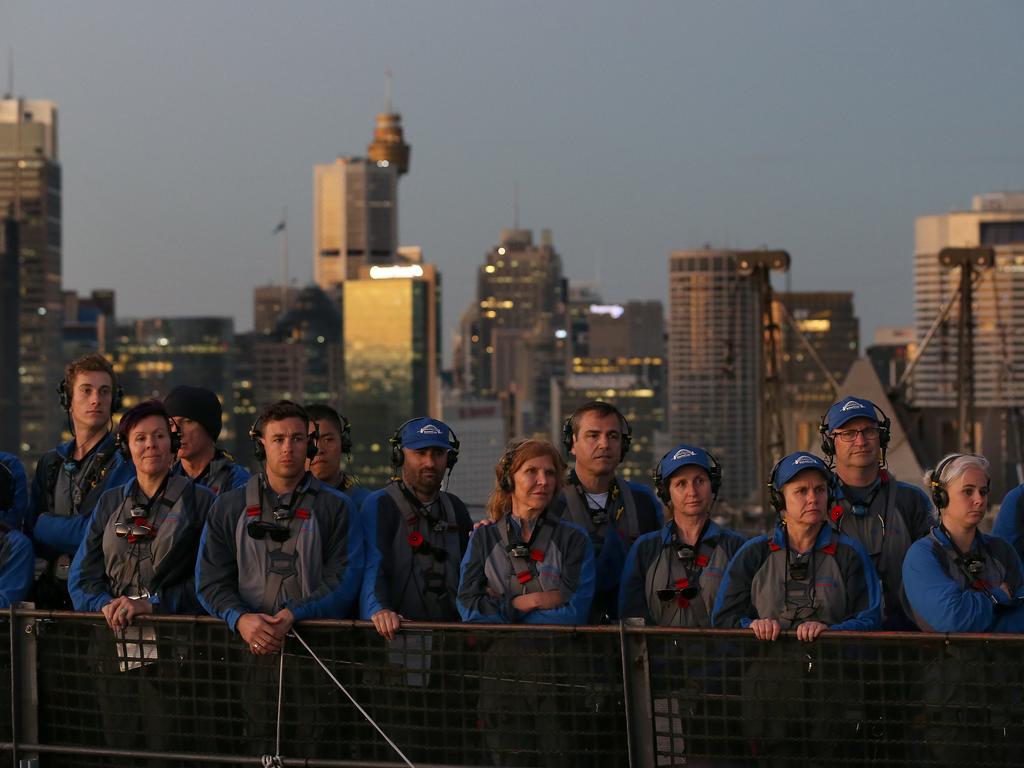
313, 444
255, 434
828, 443
64, 395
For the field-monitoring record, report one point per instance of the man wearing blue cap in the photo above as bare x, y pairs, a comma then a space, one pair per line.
416, 534
883, 514
672, 575
415, 537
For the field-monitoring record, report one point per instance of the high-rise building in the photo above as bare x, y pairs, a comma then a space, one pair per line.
269, 303
391, 322
10, 305
300, 359
622, 361
825, 321
388, 146
714, 358
30, 181
355, 218
152, 356
89, 322
995, 220
516, 337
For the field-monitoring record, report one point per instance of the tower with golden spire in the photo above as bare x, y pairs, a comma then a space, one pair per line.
388, 145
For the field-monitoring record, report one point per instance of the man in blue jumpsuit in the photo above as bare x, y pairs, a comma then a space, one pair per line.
883, 514
612, 511
70, 479
334, 442
198, 417
281, 549
416, 535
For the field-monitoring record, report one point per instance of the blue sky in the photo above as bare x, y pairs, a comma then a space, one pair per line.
631, 129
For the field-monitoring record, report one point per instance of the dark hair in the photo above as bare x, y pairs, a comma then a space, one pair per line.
88, 363
320, 412
599, 407
279, 411
133, 416
518, 453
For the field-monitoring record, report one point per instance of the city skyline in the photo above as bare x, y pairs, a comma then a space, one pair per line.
823, 131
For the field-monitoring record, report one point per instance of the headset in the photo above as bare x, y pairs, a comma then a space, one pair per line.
778, 501
116, 398
939, 493
121, 444
568, 438
505, 482
398, 458
714, 475
260, 452
828, 441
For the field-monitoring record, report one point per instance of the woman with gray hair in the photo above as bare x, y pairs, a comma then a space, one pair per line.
957, 578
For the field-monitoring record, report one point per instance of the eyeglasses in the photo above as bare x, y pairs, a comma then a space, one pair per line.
260, 529
849, 435
132, 530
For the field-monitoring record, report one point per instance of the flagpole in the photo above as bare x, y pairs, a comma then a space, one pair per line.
284, 261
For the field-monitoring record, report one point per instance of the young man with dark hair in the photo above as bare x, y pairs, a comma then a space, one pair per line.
279, 550
612, 511
70, 478
197, 416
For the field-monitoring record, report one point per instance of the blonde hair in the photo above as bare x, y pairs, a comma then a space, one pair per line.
518, 453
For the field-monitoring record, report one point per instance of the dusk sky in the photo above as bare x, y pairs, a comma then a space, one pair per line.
632, 129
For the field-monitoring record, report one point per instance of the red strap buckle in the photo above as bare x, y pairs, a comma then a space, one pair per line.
830, 549
537, 555
252, 511
302, 514
682, 583
524, 576
702, 561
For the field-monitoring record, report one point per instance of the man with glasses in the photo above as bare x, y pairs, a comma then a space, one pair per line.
281, 549
883, 514
70, 479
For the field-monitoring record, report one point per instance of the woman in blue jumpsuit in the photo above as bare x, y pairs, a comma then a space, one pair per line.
527, 567
958, 579
810, 578
138, 558
671, 579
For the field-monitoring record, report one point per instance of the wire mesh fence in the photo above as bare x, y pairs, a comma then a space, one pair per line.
180, 691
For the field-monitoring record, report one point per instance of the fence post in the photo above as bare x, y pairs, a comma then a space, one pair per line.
636, 687
24, 662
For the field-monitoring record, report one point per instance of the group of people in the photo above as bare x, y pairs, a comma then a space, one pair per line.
154, 517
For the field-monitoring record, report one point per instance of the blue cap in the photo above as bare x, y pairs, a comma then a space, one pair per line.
427, 433
850, 408
794, 464
682, 456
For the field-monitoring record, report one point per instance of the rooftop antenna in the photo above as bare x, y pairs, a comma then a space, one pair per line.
387, 91
10, 73
515, 205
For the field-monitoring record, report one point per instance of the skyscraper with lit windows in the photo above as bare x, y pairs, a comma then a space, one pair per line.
30, 190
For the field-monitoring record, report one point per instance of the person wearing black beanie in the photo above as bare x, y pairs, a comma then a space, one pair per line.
197, 415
